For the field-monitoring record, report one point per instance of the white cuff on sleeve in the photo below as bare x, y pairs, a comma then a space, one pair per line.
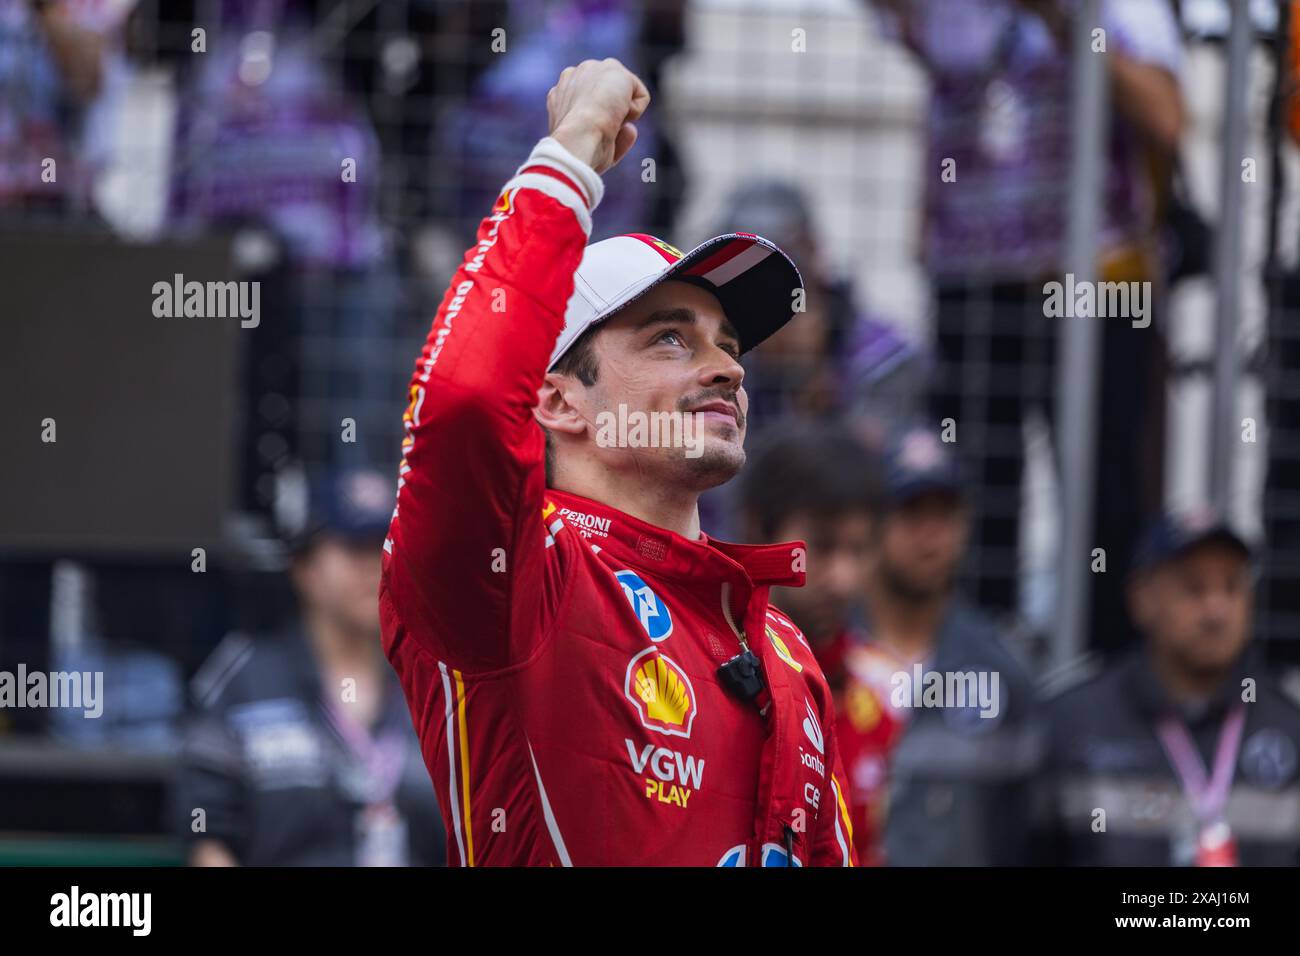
549, 152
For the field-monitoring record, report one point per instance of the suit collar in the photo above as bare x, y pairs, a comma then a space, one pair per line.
659, 551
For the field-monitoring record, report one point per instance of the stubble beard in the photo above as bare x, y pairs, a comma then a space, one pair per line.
905, 589
719, 463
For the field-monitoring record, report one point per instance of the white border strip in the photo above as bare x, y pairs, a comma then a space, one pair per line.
551, 825
736, 265
839, 834
558, 191
453, 793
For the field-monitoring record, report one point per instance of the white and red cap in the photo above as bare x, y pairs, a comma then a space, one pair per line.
753, 279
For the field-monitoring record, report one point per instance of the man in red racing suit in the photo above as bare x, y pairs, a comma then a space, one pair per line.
566, 663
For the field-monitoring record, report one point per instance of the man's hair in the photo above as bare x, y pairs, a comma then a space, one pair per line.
580, 362
823, 471
580, 358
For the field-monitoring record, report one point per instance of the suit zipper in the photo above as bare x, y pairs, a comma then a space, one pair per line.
731, 622
788, 831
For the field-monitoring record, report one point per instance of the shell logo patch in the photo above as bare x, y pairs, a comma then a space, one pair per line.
661, 693
782, 651
503, 203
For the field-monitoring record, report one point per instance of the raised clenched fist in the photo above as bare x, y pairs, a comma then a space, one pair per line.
593, 107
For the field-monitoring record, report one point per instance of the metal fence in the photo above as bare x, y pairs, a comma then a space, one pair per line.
348, 149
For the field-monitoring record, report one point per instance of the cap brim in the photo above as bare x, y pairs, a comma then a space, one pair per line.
1220, 534
909, 490
350, 536
753, 279
1148, 558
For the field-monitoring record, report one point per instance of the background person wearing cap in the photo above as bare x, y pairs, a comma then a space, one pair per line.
937, 785
300, 750
1187, 744
839, 357
820, 485
839, 361
594, 680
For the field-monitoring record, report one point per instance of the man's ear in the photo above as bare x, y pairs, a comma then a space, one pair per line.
1139, 599
553, 411
300, 573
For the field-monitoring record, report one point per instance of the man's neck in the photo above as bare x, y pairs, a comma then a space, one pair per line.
671, 509
338, 649
905, 625
1185, 686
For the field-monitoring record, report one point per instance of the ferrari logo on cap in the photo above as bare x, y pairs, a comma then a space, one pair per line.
670, 249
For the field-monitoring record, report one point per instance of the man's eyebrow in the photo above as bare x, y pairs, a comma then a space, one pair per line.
681, 316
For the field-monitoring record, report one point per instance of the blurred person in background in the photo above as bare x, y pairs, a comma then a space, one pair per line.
301, 750
838, 357
1000, 122
819, 485
61, 66
265, 123
839, 360
1184, 753
946, 784
483, 137
272, 139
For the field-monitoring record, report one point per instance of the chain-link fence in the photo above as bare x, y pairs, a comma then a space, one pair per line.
915, 159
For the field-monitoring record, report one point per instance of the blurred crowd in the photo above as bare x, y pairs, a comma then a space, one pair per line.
1179, 752
364, 141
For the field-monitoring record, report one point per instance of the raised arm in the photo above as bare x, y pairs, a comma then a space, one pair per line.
464, 562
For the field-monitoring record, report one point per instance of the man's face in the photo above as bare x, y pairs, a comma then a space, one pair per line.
1196, 609
921, 542
340, 580
839, 549
667, 401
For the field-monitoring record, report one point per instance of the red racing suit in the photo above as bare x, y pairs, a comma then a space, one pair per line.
867, 729
558, 656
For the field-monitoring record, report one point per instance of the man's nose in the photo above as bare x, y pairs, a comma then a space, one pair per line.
721, 368
1218, 606
843, 575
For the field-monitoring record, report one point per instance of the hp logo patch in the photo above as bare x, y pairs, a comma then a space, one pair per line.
733, 857
649, 610
774, 855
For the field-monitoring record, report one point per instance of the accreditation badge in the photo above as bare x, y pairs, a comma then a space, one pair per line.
381, 837
1216, 846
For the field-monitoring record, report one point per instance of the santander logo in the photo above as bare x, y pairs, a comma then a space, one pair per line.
813, 729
